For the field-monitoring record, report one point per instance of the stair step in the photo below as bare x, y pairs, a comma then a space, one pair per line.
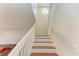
44, 54
42, 44
43, 41
43, 47
44, 50
42, 36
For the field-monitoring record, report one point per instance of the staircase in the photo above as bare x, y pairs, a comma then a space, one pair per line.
43, 46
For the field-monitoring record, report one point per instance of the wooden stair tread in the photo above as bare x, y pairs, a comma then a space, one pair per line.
44, 54
44, 47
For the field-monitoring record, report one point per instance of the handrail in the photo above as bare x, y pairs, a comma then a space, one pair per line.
23, 47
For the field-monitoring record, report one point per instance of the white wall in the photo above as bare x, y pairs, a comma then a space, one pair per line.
16, 15
15, 20
11, 35
42, 23
66, 26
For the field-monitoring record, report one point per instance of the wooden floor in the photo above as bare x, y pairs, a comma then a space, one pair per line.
44, 54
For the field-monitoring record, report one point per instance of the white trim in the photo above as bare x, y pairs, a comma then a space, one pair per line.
25, 44
52, 11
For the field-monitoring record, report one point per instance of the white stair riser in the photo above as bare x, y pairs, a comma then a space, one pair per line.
42, 37
43, 40
44, 51
43, 44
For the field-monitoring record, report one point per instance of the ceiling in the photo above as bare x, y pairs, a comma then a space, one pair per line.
43, 4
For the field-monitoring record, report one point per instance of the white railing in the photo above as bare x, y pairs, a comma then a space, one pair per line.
24, 46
